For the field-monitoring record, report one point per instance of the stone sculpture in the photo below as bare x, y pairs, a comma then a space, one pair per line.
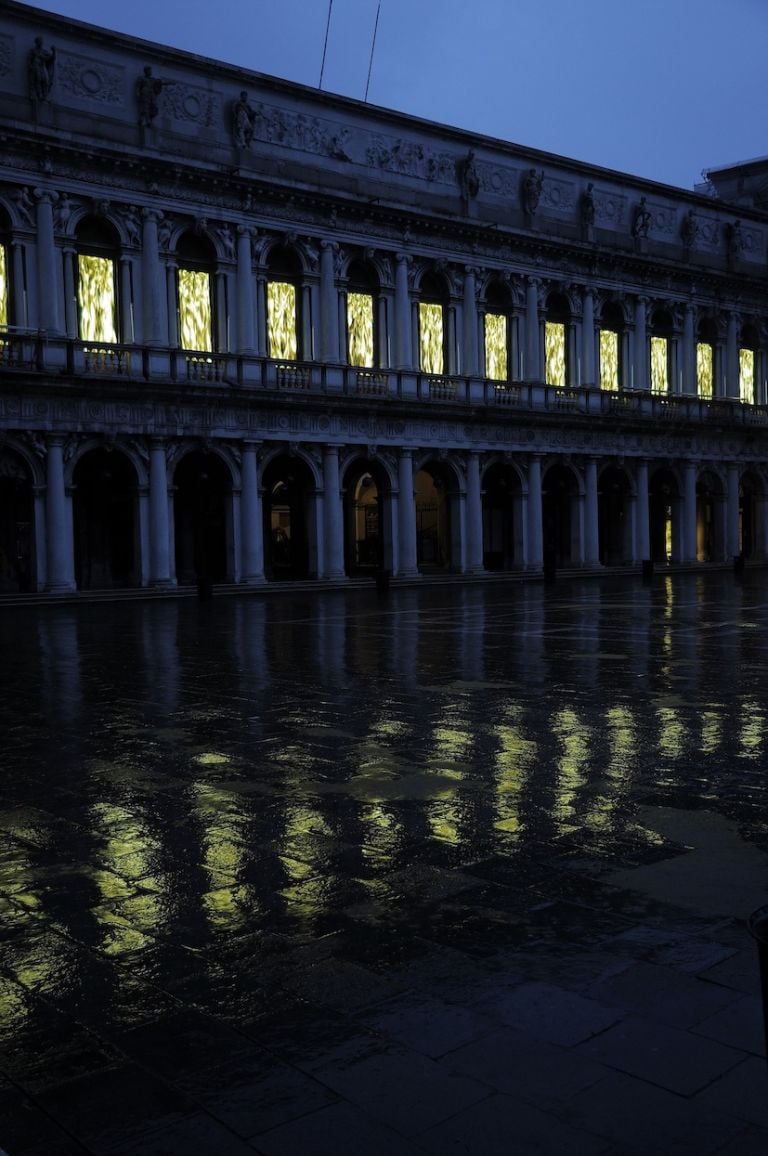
243, 119
148, 89
641, 226
532, 185
42, 62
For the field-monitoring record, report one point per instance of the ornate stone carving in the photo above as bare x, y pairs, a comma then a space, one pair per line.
467, 176
227, 239
86, 79
41, 66
62, 213
689, 230
641, 221
25, 206
131, 225
530, 191
243, 119
558, 196
148, 90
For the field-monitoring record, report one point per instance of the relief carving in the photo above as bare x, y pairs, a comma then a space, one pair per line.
187, 103
84, 79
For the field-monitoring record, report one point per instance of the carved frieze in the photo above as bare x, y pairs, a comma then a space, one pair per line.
85, 79
558, 196
610, 209
188, 103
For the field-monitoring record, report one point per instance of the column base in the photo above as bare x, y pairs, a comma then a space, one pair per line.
253, 580
162, 583
61, 588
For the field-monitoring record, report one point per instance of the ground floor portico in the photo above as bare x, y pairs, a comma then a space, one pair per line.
89, 512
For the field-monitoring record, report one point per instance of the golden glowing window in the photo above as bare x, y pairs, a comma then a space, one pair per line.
195, 310
747, 376
360, 328
659, 364
609, 359
554, 352
496, 347
96, 298
431, 337
281, 320
705, 374
3, 287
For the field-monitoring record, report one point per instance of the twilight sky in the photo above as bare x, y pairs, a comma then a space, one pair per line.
659, 88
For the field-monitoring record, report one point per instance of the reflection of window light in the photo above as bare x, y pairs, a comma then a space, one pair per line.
431, 337
281, 318
704, 369
747, 376
495, 347
554, 350
360, 328
3, 288
609, 359
96, 298
195, 310
659, 364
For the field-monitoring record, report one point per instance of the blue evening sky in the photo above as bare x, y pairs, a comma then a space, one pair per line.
659, 88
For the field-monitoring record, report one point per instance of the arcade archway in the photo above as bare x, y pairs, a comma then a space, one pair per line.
288, 490
502, 548
105, 523
560, 522
202, 514
16, 524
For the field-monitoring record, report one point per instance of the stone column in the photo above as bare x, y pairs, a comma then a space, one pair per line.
588, 371
470, 366
333, 514
535, 526
407, 514
20, 305
641, 345
532, 364
160, 571
47, 273
70, 301
403, 322
643, 513
732, 542
172, 304
732, 357
246, 314
688, 352
155, 314
58, 517
473, 557
591, 534
126, 333
262, 343
252, 526
329, 303
689, 512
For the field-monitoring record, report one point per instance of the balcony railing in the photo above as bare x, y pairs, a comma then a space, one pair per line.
25, 353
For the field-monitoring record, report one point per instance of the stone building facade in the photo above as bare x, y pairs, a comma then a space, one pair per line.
251, 331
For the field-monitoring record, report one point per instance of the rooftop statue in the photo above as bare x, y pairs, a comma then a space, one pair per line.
42, 62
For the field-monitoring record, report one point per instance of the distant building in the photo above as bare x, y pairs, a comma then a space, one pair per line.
252, 331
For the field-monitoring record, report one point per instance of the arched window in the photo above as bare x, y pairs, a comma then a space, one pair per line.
748, 365
611, 346
555, 340
433, 327
362, 336
97, 249
194, 292
661, 351
705, 358
283, 303
497, 332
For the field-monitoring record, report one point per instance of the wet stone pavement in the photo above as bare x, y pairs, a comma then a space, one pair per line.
444, 871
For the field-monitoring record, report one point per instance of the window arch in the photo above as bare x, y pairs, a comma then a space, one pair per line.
497, 332
362, 320
98, 246
611, 346
748, 347
195, 305
433, 324
706, 341
283, 303
557, 318
662, 330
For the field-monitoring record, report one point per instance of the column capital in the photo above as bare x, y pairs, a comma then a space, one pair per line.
404, 258
44, 196
247, 231
151, 215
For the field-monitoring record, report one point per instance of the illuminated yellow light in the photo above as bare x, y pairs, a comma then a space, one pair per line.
360, 329
96, 298
747, 376
211, 759
195, 310
281, 320
609, 359
554, 353
431, 337
3, 287
659, 364
495, 347
704, 369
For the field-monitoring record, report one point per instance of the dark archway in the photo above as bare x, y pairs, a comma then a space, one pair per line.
560, 493
288, 487
613, 520
501, 505
750, 497
202, 505
105, 520
664, 516
436, 491
710, 514
16, 524
367, 544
